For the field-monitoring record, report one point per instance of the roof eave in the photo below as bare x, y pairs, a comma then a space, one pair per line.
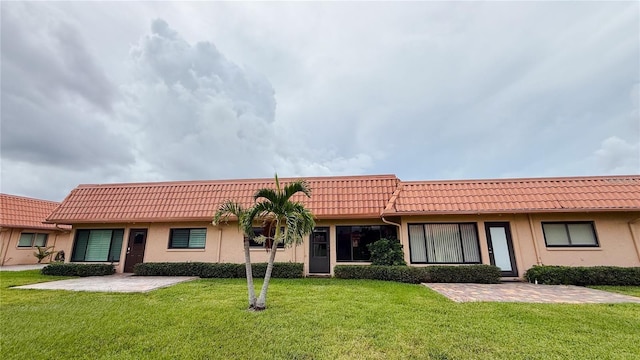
191, 219
508, 211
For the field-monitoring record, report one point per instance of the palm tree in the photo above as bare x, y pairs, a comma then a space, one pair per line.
291, 219
226, 210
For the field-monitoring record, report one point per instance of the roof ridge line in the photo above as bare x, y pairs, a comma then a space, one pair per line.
521, 180
239, 181
29, 198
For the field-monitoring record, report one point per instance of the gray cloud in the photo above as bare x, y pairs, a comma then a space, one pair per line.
56, 100
423, 90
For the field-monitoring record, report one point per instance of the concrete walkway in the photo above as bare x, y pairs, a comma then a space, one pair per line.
529, 293
22, 267
122, 283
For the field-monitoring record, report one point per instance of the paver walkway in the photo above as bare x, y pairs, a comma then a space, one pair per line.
124, 283
529, 293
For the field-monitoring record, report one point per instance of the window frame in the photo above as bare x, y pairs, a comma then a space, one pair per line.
566, 227
351, 260
33, 240
111, 248
188, 247
257, 231
475, 225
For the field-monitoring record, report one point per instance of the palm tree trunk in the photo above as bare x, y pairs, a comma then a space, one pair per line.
261, 304
249, 274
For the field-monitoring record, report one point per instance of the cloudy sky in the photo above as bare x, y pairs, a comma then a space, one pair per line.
154, 91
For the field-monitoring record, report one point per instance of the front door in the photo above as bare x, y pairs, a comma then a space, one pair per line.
501, 247
135, 249
319, 261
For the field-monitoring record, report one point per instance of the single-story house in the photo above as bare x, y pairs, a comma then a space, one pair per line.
512, 223
22, 230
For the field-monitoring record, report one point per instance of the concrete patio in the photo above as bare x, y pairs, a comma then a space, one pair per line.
22, 267
121, 283
529, 293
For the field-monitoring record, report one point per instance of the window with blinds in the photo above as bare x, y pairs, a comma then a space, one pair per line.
451, 243
98, 245
570, 234
187, 238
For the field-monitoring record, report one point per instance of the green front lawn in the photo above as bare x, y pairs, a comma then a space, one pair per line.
306, 319
627, 290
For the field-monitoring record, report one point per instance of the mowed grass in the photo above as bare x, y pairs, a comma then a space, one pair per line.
626, 290
306, 319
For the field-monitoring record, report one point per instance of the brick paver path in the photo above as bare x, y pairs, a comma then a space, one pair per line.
530, 293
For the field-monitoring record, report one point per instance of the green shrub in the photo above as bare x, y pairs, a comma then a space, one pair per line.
62, 269
584, 276
482, 274
280, 270
478, 274
405, 274
386, 252
217, 270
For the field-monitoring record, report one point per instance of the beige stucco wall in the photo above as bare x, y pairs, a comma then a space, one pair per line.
11, 254
613, 229
224, 243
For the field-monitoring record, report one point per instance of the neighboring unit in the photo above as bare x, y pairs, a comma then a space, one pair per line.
512, 223
22, 230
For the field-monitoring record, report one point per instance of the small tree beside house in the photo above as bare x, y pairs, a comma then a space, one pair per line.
272, 208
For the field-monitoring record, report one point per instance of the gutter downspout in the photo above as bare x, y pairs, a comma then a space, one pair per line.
535, 240
6, 250
634, 238
219, 242
389, 222
55, 240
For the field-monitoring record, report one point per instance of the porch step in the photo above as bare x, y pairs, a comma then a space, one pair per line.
319, 275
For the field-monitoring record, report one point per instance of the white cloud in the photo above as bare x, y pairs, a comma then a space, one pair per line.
617, 156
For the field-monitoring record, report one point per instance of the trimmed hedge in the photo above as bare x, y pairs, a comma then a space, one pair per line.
218, 270
584, 276
405, 274
481, 274
68, 269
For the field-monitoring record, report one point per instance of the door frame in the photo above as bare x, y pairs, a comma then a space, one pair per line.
327, 230
512, 256
127, 258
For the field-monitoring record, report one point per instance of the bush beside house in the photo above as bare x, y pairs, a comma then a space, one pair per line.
62, 269
482, 274
217, 270
584, 276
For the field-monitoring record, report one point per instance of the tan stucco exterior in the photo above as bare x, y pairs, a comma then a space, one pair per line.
616, 232
617, 235
11, 254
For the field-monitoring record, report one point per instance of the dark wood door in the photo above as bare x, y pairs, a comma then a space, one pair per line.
319, 260
501, 247
135, 249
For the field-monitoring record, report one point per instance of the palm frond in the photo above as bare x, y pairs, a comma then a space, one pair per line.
268, 194
228, 209
296, 187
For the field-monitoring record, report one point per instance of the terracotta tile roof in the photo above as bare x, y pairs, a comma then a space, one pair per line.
23, 212
602, 193
332, 197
